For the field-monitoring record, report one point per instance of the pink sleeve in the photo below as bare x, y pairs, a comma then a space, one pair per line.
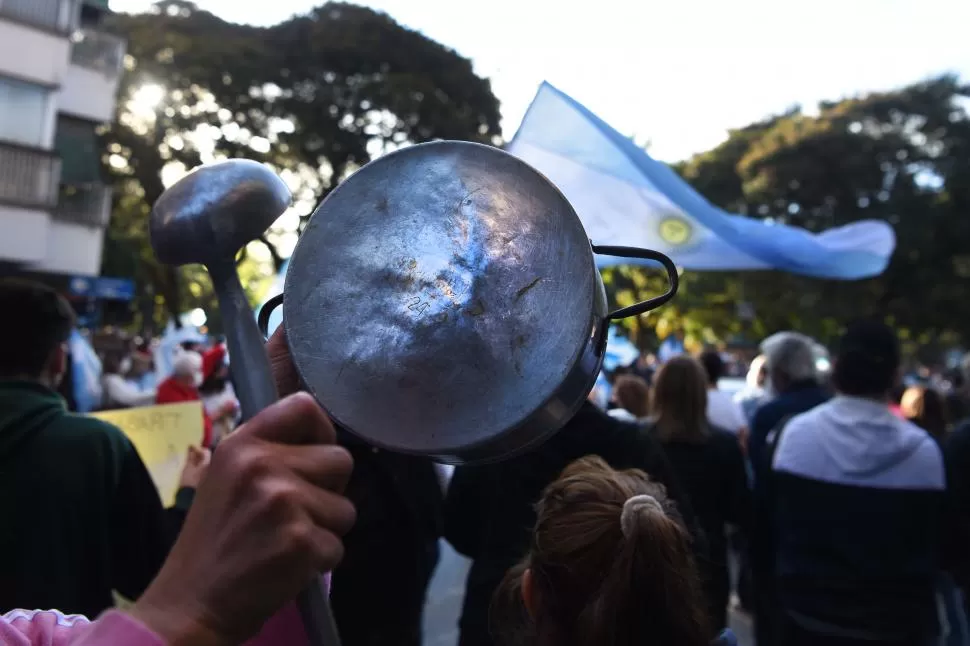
113, 628
51, 628
285, 627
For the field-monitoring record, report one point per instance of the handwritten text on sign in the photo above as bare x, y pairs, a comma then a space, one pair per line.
162, 435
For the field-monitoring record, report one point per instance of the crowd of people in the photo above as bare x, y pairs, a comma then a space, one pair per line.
845, 503
199, 372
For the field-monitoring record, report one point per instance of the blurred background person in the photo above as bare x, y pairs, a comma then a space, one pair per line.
183, 386
926, 408
708, 461
631, 398
722, 411
793, 387
645, 366
118, 391
753, 394
142, 373
216, 391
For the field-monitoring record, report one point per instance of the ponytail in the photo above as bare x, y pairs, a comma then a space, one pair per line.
652, 584
611, 564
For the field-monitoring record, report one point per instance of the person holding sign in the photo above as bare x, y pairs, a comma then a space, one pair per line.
82, 517
183, 386
267, 519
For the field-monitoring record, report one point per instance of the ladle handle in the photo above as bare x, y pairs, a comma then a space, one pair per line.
252, 376
256, 390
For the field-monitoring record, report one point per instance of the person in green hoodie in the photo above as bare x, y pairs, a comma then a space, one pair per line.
81, 515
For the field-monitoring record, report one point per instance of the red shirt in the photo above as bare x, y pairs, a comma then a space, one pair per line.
172, 391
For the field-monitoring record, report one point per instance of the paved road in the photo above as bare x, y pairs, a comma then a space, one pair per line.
444, 603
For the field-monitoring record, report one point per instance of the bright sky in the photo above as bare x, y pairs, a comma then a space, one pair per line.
677, 73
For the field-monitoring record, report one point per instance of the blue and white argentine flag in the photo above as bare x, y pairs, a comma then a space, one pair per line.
624, 197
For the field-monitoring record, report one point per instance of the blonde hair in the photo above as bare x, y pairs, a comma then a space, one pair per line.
926, 408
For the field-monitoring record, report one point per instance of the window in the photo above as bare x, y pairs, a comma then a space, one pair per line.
23, 112
77, 144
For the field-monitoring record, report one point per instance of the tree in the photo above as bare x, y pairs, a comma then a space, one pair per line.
316, 97
901, 156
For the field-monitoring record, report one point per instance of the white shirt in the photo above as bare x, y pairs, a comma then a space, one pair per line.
119, 393
723, 412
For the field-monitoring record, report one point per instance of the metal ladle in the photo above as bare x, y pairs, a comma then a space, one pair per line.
206, 218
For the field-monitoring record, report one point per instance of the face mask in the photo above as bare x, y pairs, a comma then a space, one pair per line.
124, 366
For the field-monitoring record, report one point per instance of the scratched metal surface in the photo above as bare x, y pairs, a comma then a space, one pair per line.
439, 297
206, 217
214, 211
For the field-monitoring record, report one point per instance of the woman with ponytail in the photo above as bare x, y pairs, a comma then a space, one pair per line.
610, 564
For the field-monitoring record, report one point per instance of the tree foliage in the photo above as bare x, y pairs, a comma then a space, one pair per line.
316, 97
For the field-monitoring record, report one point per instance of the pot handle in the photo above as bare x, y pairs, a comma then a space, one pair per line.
262, 320
645, 254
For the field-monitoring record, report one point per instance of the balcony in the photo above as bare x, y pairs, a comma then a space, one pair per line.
91, 84
33, 39
52, 15
28, 177
88, 205
98, 51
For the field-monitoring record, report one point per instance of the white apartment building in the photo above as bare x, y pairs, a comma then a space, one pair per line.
59, 78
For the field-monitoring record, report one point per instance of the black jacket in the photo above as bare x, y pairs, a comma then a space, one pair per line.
714, 475
956, 452
391, 552
859, 515
490, 510
81, 516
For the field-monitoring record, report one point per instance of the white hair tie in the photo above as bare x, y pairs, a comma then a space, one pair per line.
633, 507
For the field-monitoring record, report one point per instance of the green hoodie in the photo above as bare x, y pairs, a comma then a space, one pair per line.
81, 516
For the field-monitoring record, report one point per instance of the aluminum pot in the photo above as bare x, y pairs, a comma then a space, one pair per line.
444, 301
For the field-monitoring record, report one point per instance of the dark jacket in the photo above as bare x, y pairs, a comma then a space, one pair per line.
490, 510
800, 397
81, 515
714, 476
859, 515
391, 552
956, 453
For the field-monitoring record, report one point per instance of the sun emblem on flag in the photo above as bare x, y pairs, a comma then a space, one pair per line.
676, 231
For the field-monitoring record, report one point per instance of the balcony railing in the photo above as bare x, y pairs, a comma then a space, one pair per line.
89, 205
97, 50
57, 15
28, 177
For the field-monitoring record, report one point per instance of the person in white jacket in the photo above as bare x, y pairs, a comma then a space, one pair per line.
117, 391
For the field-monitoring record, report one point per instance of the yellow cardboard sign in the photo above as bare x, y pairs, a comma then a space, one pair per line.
162, 435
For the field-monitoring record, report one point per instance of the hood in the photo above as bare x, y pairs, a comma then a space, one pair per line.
25, 408
852, 423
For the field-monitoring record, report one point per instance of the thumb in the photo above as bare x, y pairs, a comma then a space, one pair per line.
196, 455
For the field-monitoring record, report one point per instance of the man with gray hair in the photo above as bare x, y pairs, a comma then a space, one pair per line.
793, 386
